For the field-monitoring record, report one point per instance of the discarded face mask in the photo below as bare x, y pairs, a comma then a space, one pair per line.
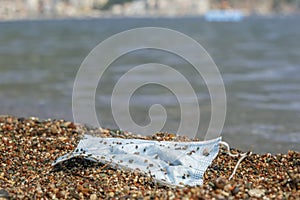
168, 162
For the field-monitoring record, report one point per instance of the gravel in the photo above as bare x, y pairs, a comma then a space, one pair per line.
28, 146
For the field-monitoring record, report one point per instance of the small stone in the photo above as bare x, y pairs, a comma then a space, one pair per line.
93, 197
62, 138
235, 190
219, 197
61, 194
4, 194
54, 130
256, 193
68, 125
111, 194
228, 187
226, 194
211, 184
220, 182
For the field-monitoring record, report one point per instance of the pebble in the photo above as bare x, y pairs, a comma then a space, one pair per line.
111, 194
4, 194
93, 197
256, 193
235, 190
220, 182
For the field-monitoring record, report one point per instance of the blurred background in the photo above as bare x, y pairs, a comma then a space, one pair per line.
12, 9
254, 43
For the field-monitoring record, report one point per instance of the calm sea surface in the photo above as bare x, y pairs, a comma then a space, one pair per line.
259, 60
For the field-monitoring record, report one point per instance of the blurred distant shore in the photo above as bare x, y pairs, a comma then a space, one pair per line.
51, 9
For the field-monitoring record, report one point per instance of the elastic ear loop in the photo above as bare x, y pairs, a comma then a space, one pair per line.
243, 156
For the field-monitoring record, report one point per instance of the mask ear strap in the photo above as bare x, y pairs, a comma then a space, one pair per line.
243, 156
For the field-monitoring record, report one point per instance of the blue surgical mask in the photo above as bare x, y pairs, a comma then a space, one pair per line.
168, 162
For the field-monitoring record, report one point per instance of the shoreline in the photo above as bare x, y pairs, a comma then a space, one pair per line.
100, 17
28, 147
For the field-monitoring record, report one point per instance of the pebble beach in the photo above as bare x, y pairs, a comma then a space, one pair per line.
29, 146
